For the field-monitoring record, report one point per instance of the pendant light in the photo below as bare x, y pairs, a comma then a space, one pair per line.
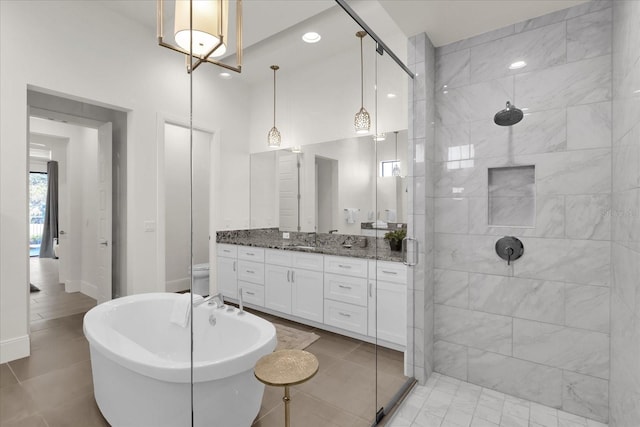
395, 171
201, 30
273, 138
362, 121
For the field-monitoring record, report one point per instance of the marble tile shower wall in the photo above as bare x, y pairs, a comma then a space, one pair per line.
421, 60
625, 218
538, 329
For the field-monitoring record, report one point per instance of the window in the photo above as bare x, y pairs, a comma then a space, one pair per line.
390, 168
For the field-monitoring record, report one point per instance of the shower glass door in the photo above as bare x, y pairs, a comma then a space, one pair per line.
396, 223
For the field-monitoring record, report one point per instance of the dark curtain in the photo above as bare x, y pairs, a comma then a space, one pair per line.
50, 229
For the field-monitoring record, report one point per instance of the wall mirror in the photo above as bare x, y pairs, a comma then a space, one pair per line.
331, 186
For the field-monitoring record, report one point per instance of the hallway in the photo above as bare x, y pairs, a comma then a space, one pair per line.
52, 301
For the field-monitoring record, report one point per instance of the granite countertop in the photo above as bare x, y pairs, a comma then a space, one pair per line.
320, 243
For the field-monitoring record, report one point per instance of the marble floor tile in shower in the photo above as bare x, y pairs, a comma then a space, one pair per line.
447, 402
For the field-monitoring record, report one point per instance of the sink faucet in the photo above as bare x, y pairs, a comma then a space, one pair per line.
333, 231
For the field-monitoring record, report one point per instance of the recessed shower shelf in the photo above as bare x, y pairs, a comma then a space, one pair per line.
512, 196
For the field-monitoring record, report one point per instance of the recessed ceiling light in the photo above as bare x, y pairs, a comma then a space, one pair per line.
517, 65
311, 37
445, 86
391, 95
225, 75
636, 91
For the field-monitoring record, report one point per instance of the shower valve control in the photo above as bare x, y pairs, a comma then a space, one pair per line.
509, 248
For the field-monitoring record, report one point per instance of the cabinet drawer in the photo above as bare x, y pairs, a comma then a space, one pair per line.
251, 293
228, 251
343, 265
395, 272
249, 271
277, 257
250, 253
346, 289
346, 316
306, 261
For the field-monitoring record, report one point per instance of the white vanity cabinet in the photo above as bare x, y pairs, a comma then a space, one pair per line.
277, 284
387, 308
293, 283
227, 271
362, 298
251, 275
345, 293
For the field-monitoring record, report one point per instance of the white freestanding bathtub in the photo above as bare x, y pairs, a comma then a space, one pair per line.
141, 363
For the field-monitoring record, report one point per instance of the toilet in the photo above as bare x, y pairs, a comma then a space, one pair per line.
201, 279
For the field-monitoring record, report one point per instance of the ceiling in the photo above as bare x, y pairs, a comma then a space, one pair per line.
448, 21
272, 29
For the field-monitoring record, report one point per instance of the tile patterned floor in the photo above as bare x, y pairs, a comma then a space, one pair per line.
52, 301
447, 402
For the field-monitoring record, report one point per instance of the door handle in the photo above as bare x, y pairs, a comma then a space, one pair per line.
288, 275
62, 232
405, 241
104, 243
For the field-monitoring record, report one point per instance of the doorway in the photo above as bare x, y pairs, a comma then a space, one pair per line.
71, 274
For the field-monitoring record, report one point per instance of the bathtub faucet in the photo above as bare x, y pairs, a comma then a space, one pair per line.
218, 300
240, 301
211, 300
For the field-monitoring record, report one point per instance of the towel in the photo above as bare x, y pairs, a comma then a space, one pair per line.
351, 215
182, 309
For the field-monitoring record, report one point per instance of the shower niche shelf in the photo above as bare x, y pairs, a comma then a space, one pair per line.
512, 196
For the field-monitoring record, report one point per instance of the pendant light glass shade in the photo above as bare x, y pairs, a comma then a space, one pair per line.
273, 138
210, 25
362, 121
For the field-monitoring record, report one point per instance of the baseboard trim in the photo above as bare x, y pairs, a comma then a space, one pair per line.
178, 285
89, 289
14, 348
71, 286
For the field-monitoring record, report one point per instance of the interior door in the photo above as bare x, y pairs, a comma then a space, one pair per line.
104, 213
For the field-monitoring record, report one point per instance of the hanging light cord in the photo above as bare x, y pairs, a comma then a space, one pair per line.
361, 75
396, 132
274, 68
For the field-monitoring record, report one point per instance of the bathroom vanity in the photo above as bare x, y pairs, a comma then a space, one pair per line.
351, 295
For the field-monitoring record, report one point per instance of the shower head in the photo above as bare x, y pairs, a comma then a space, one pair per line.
509, 116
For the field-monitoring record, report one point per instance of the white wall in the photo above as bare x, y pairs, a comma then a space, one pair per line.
86, 51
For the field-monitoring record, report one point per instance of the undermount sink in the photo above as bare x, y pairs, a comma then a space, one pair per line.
309, 248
